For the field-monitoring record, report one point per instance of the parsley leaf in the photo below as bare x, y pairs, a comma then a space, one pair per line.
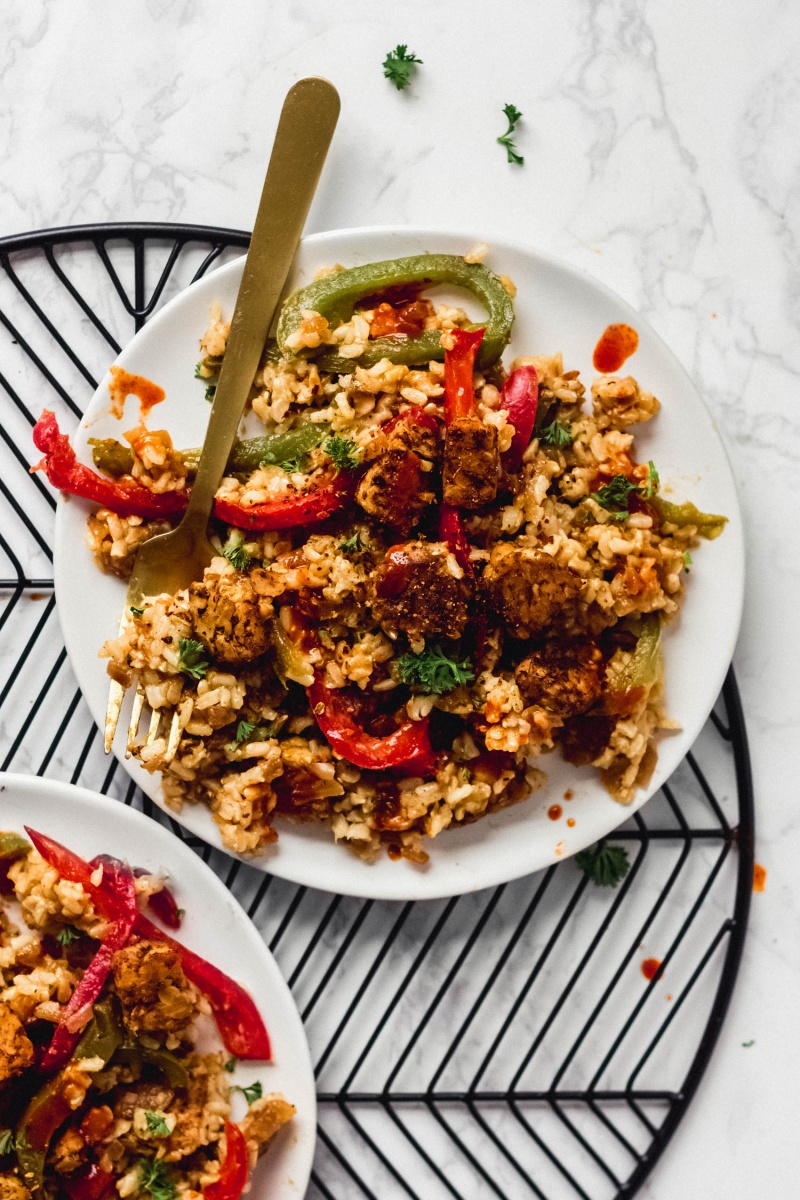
613, 496
605, 865
198, 371
747, 1045
137, 612
343, 451
351, 545
67, 935
254, 1092
289, 465
7, 1143
155, 1178
236, 554
211, 392
156, 1123
556, 434
652, 483
192, 658
244, 730
513, 116
687, 560
399, 66
230, 1065
433, 672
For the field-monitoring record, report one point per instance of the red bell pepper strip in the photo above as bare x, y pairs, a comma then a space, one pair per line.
88, 1183
408, 747
71, 866
451, 531
520, 400
131, 499
459, 368
239, 1022
65, 472
417, 416
119, 879
235, 1167
162, 903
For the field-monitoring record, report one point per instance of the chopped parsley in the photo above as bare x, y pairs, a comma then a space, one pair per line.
351, 545
192, 658
606, 865
687, 560
614, 495
198, 371
156, 1178
236, 554
747, 1045
652, 483
254, 1092
7, 1143
399, 66
343, 451
433, 672
556, 434
156, 1123
67, 935
211, 392
290, 465
513, 116
244, 730
137, 612
230, 1065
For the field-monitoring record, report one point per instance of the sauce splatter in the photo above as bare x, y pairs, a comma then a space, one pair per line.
759, 878
568, 794
123, 384
554, 812
570, 821
617, 343
559, 849
651, 968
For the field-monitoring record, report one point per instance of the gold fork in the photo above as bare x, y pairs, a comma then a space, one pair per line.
173, 560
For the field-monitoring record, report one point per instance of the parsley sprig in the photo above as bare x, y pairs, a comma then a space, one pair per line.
433, 672
556, 434
513, 116
254, 1092
192, 658
343, 451
156, 1123
399, 67
67, 935
651, 485
351, 545
236, 554
606, 865
156, 1179
615, 495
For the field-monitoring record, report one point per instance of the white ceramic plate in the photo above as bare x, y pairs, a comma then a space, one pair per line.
558, 308
215, 926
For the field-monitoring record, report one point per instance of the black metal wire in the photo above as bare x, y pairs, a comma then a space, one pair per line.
499, 1044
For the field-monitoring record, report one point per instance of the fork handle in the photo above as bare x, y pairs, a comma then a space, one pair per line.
305, 129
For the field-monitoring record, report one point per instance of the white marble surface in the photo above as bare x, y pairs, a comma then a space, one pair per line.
662, 154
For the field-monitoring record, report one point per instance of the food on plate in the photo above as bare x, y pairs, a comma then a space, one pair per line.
105, 1089
434, 569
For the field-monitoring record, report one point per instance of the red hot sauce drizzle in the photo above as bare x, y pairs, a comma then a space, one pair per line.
554, 812
617, 343
123, 384
651, 968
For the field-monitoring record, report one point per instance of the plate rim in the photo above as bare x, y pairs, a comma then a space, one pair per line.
423, 886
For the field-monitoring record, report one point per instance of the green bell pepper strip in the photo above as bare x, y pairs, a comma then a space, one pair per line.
12, 846
50, 1108
335, 297
709, 525
247, 454
133, 1053
639, 674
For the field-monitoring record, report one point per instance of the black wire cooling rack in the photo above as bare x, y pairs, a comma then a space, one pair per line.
502, 1044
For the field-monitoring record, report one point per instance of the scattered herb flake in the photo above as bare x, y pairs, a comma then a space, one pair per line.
181, 913
137, 612
343, 451
156, 1123
432, 672
614, 496
192, 658
254, 1092
556, 434
155, 1178
652, 483
687, 560
244, 730
211, 392
747, 1045
399, 66
606, 865
230, 1065
236, 554
513, 116
198, 371
351, 545
67, 935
